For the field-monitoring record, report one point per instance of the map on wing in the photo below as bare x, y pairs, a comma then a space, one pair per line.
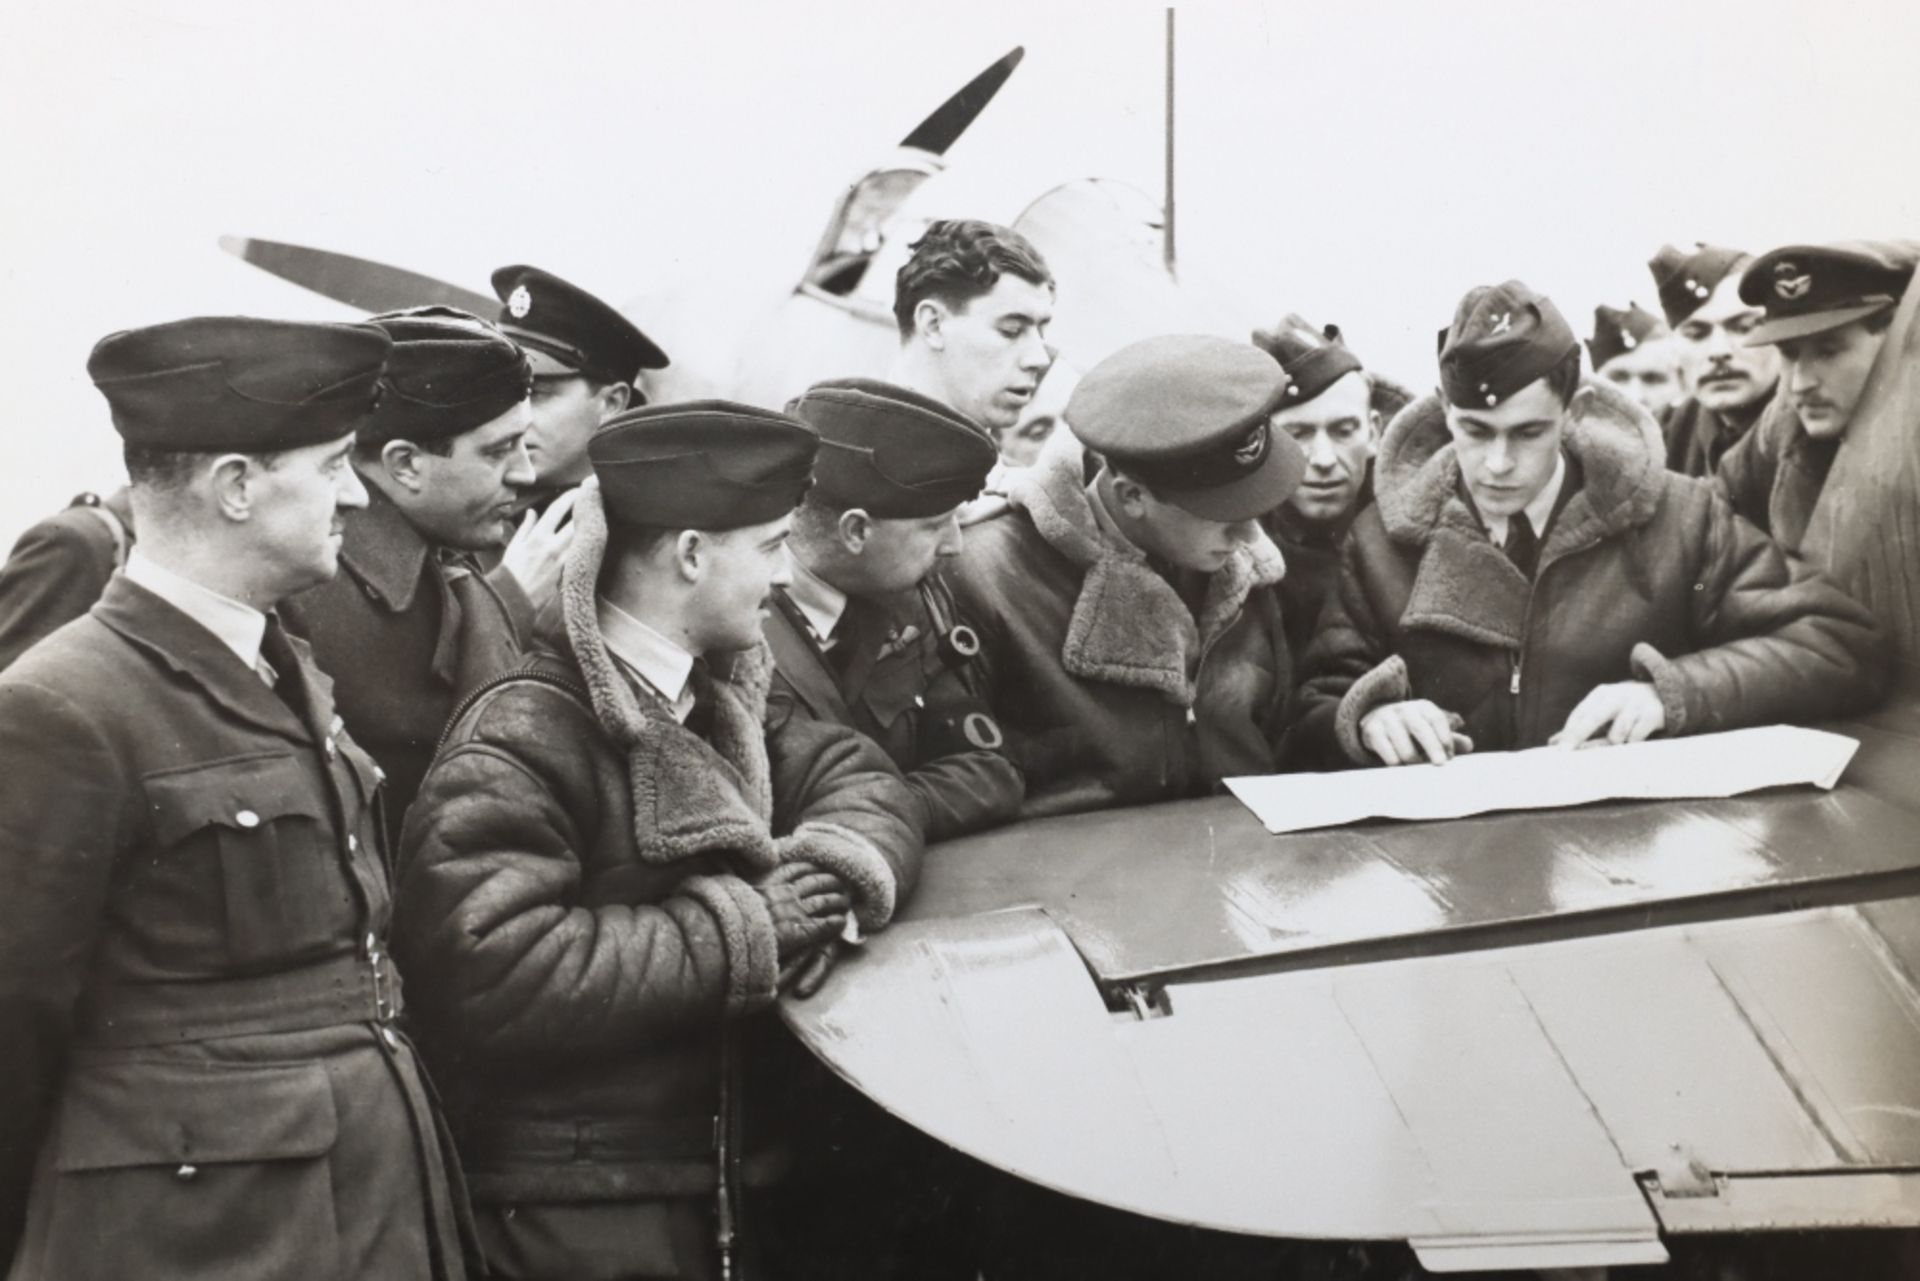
1702, 766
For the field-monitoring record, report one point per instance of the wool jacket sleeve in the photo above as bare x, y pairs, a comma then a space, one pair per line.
1778, 641
966, 792
838, 802
500, 945
1348, 669
61, 822
57, 570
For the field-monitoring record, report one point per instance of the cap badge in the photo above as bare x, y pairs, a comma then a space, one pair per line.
1253, 448
1628, 341
519, 302
1502, 323
1697, 289
1790, 282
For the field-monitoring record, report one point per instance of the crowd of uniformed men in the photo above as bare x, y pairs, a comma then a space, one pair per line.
614, 720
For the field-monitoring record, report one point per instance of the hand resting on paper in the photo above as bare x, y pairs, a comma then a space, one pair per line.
1627, 712
1405, 733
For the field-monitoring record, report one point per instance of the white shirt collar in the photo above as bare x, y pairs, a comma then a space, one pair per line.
648, 655
820, 602
239, 627
1539, 511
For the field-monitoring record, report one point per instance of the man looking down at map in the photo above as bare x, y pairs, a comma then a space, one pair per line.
1531, 574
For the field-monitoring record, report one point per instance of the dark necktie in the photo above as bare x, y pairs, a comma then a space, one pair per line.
700, 718
277, 651
1523, 545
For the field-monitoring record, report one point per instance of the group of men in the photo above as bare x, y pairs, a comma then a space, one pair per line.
616, 720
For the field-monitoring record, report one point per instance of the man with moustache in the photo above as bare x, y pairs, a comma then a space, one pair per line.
1127, 646
1334, 410
616, 861
587, 362
203, 1076
1727, 382
412, 622
1636, 352
1827, 309
973, 303
1529, 574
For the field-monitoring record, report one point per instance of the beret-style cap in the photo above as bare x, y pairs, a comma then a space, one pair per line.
568, 330
1187, 415
1314, 359
1686, 278
1616, 332
892, 451
216, 383
1809, 289
702, 464
1503, 337
449, 373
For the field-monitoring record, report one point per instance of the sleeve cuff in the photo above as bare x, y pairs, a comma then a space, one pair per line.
1649, 664
1386, 683
753, 961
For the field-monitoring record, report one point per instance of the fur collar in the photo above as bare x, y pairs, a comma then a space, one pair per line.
1129, 626
1465, 585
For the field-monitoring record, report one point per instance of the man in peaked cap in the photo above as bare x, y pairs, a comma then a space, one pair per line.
1334, 410
412, 623
615, 861
1531, 574
1636, 352
1727, 383
587, 363
1126, 646
192, 967
1827, 309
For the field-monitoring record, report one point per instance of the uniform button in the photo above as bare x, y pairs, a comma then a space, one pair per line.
187, 1173
393, 1042
353, 844
372, 946
247, 818
332, 751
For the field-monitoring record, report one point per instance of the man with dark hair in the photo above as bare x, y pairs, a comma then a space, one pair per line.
1727, 383
1827, 309
59, 567
202, 1076
973, 304
412, 623
1334, 410
1127, 645
1530, 574
1636, 352
615, 862
866, 635
587, 363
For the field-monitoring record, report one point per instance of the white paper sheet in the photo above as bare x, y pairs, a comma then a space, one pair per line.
1704, 765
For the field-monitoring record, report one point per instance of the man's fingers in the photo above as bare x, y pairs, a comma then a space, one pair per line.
1588, 717
1388, 741
1433, 742
814, 970
1462, 744
559, 509
1644, 724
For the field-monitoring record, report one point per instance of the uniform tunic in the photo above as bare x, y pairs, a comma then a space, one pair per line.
59, 567
202, 1075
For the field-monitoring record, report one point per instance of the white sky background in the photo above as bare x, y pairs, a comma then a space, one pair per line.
1358, 162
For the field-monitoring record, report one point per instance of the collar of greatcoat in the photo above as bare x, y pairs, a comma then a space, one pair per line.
1465, 586
1129, 626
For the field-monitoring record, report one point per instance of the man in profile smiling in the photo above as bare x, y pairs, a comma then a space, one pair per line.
1530, 574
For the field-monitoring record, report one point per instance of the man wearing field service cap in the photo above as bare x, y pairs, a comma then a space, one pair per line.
1636, 352
1128, 644
192, 969
612, 864
866, 634
1727, 383
1531, 574
1334, 410
587, 363
411, 622
1827, 309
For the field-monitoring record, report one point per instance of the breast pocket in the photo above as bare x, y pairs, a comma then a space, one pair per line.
169, 1169
251, 838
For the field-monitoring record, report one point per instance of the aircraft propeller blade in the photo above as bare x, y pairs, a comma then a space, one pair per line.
357, 282
938, 131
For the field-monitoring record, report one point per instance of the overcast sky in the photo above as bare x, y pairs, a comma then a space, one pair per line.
1356, 162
